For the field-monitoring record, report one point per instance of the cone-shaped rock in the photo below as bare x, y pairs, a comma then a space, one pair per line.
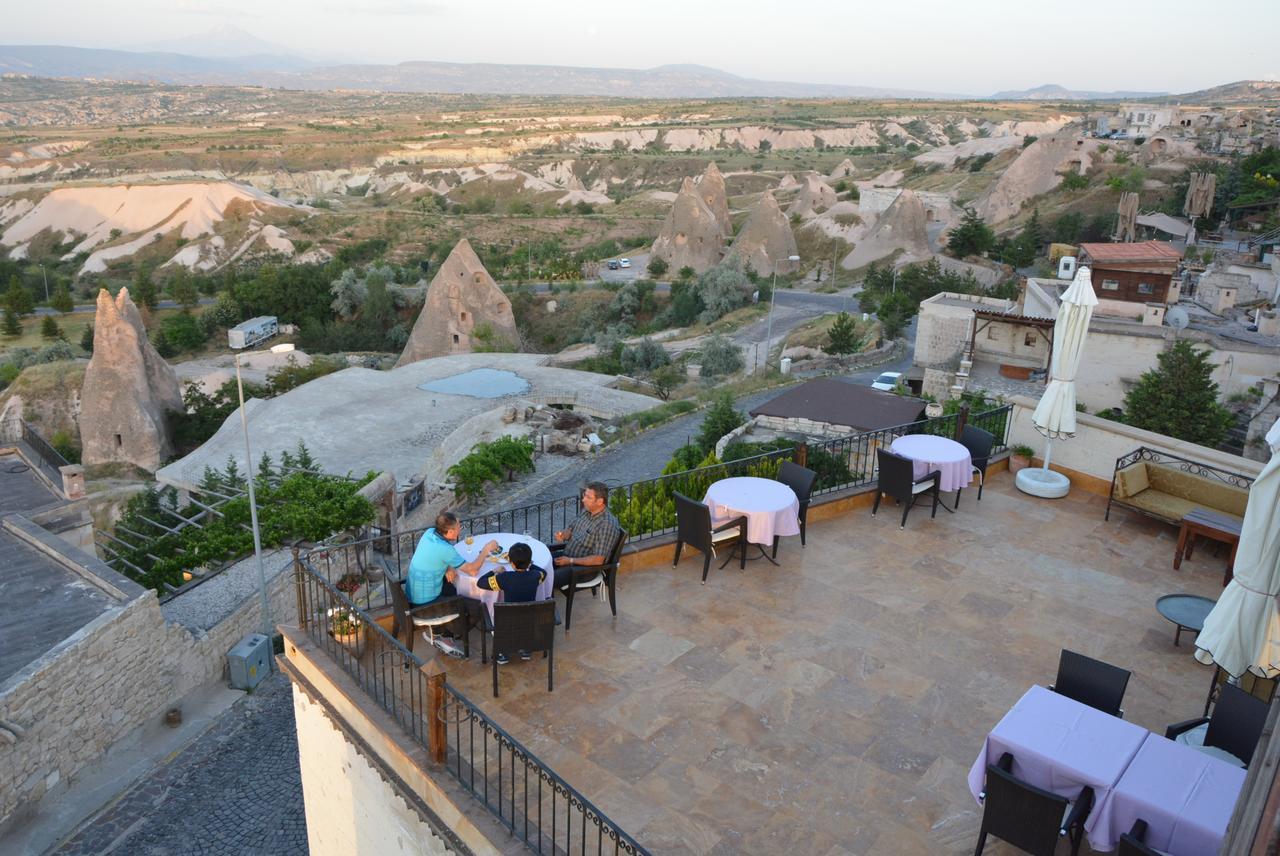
712, 190
844, 170
900, 227
462, 297
765, 239
128, 390
690, 236
815, 196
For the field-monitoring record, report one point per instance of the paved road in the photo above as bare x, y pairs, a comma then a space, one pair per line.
235, 790
89, 308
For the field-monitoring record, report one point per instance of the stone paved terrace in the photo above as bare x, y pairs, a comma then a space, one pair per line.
835, 704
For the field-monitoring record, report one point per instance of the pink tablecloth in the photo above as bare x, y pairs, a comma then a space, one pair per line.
936, 453
1185, 796
466, 585
771, 507
1061, 745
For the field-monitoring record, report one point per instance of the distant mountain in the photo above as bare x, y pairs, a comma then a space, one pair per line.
224, 42
1054, 92
1234, 93
271, 69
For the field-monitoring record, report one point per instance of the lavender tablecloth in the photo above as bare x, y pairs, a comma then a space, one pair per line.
936, 453
1061, 745
466, 585
771, 508
1185, 796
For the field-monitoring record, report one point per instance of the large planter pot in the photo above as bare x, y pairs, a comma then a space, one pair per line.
1018, 462
353, 642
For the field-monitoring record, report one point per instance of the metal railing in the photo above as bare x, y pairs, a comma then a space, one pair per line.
536, 805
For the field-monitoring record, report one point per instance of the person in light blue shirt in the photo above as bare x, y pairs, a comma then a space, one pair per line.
436, 563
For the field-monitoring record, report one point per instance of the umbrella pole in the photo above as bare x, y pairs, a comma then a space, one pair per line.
1048, 452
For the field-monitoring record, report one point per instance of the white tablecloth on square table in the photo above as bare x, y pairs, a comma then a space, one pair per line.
1061, 745
1185, 796
466, 585
931, 453
771, 508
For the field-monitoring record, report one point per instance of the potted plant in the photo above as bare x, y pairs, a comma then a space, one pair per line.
351, 585
346, 628
1020, 458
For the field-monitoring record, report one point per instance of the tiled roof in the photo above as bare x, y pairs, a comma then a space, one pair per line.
1147, 251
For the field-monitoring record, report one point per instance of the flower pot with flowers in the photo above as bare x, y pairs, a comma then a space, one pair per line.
1020, 458
347, 630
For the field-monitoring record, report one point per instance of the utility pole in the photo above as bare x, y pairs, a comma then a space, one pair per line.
46, 283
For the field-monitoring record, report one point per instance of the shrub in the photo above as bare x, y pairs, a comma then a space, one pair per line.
722, 417
49, 328
658, 266
1074, 181
182, 332
720, 357
645, 357
491, 462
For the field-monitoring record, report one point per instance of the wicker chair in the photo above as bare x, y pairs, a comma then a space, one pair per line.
593, 577
979, 443
524, 627
897, 479
1234, 727
1095, 683
694, 527
800, 480
1029, 818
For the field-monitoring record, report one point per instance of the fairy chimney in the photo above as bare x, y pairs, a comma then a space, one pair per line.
691, 235
815, 196
712, 190
766, 239
128, 391
462, 301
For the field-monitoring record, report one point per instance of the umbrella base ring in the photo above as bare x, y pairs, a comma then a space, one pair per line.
1046, 484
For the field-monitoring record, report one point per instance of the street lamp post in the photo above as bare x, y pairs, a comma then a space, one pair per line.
253, 504
773, 296
46, 283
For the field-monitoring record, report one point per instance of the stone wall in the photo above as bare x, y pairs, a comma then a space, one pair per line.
116, 674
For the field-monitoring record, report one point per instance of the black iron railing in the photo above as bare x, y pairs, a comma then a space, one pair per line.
50, 458
536, 805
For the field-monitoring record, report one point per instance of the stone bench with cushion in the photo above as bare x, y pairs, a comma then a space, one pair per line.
1166, 487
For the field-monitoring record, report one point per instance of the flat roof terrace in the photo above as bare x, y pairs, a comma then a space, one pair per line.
836, 703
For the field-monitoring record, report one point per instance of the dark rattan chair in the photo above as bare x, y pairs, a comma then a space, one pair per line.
592, 577
799, 479
1234, 727
979, 443
524, 627
1029, 818
897, 479
449, 610
1131, 843
694, 527
1093, 682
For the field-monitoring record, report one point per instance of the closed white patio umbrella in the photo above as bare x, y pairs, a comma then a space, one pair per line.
1055, 415
1242, 632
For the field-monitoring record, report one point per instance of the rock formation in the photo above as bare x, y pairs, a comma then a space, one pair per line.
128, 390
815, 196
1037, 169
691, 235
900, 228
712, 190
461, 298
765, 239
1200, 190
844, 169
1127, 218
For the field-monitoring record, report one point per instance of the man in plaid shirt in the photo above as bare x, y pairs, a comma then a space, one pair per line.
590, 538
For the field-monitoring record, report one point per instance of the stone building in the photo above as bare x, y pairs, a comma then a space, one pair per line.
128, 390
463, 306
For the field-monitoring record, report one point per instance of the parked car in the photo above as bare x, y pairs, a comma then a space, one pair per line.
888, 381
626, 263
614, 264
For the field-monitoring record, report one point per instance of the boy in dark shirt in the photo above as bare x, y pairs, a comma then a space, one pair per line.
518, 585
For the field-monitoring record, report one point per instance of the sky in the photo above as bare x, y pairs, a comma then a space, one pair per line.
977, 47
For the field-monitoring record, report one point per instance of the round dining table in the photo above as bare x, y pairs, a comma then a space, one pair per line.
466, 585
929, 453
771, 508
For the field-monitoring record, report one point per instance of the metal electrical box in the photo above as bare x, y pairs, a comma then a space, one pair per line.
249, 661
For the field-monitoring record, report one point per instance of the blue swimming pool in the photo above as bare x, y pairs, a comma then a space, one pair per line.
479, 383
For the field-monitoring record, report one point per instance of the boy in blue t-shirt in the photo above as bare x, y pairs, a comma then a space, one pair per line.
519, 585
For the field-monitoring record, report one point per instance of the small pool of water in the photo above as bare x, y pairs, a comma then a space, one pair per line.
479, 383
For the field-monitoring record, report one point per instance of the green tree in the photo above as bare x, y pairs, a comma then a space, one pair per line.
12, 322
49, 328
144, 288
62, 300
843, 336
666, 379
160, 341
1179, 398
17, 299
86, 340
895, 312
183, 332
686, 273
972, 237
182, 288
722, 417
720, 357
658, 266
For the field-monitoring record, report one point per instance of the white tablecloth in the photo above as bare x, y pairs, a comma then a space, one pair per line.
466, 585
931, 453
771, 508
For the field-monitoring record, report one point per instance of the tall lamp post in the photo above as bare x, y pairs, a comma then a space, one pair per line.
773, 296
253, 503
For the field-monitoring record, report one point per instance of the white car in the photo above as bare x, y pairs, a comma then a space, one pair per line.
626, 263
888, 381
